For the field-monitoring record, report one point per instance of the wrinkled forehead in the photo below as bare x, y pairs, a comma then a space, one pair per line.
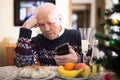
47, 17
42, 21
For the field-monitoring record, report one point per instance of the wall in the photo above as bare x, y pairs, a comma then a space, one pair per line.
9, 33
6, 28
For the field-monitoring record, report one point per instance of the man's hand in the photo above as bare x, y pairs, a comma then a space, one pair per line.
30, 23
71, 57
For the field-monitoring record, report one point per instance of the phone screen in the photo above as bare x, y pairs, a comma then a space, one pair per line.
62, 49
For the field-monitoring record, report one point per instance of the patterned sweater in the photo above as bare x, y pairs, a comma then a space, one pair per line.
31, 50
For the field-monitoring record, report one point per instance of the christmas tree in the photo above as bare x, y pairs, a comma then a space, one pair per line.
109, 41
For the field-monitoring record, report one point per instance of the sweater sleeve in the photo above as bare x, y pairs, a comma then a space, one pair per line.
26, 53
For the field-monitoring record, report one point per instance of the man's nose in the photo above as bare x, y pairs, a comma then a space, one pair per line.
47, 27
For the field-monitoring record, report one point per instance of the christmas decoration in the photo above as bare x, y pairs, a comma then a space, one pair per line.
115, 22
112, 42
109, 43
107, 77
106, 27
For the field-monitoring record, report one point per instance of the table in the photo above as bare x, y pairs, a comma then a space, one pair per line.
10, 73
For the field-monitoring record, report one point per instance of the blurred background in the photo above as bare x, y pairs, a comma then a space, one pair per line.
84, 15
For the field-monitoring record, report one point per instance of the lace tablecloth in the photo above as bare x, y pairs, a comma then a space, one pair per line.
10, 73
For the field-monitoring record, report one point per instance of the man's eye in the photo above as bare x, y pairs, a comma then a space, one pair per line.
41, 24
51, 23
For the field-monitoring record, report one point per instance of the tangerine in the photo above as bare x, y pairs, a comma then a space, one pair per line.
69, 66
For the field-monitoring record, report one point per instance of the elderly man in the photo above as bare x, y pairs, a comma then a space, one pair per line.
42, 47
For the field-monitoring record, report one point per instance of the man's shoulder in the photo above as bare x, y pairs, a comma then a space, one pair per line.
72, 31
38, 36
72, 34
37, 40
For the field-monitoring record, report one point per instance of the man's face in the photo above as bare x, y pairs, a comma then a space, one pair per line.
50, 25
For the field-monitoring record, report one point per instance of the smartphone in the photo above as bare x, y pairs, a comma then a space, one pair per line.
62, 49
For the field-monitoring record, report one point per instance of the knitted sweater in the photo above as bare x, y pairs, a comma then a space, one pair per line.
31, 50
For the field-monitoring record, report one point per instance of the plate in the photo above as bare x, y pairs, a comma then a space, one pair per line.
88, 78
52, 75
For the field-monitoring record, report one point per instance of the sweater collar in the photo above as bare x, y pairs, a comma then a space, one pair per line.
61, 32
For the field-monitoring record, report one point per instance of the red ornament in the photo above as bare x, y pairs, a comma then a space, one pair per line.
107, 77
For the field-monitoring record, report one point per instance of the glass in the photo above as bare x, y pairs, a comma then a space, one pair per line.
86, 33
87, 36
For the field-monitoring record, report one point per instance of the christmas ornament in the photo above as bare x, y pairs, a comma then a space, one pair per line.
106, 27
115, 22
112, 42
107, 76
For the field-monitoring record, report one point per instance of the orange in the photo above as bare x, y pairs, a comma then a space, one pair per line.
69, 66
